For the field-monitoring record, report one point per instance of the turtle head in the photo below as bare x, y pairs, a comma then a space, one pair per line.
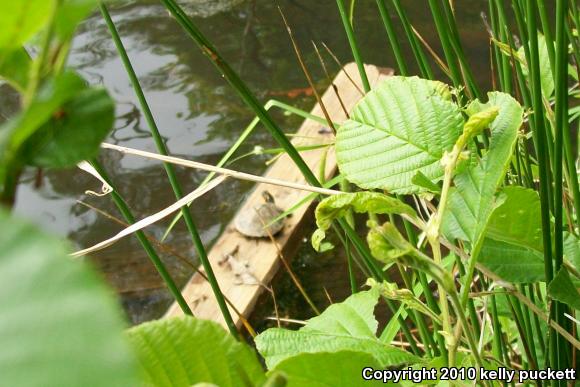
268, 198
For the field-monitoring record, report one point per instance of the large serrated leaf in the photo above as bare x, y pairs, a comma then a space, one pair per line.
185, 351
401, 127
472, 200
349, 325
338, 369
59, 324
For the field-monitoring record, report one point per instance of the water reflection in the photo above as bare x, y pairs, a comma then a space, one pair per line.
198, 115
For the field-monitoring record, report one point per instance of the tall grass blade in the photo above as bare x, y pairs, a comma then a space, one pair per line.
151, 253
162, 148
353, 45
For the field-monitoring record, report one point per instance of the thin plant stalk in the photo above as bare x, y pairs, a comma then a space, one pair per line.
420, 57
307, 73
162, 149
547, 34
444, 38
393, 38
239, 86
455, 41
539, 130
351, 275
151, 253
353, 45
561, 127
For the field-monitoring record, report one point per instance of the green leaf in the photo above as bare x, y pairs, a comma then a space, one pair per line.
572, 249
20, 20
75, 134
338, 369
513, 263
562, 289
49, 98
423, 181
472, 200
183, 351
405, 296
387, 237
517, 220
15, 67
70, 14
318, 242
381, 249
354, 316
336, 206
546, 77
402, 126
513, 246
59, 324
349, 325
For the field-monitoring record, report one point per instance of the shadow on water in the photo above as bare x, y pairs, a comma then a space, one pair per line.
200, 118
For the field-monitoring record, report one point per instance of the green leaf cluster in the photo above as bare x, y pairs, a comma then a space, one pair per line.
62, 120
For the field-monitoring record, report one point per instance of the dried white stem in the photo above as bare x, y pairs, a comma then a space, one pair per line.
153, 218
221, 171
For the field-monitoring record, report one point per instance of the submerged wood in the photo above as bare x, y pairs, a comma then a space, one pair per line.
259, 257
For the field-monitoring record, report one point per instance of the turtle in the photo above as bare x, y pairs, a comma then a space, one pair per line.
251, 221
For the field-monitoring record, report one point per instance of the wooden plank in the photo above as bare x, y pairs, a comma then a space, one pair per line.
260, 256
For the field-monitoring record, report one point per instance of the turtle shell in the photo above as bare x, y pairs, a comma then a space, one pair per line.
251, 222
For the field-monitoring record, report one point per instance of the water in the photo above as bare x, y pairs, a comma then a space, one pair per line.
200, 118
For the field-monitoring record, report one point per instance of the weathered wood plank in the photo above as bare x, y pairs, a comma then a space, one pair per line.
260, 255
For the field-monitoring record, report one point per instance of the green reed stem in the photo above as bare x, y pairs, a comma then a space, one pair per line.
504, 36
378, 275
525, 313
239, 86
426, 338
470, 304
498, 347
162, 149
431, 302
393, 38
539, 132
561, 128
537, 329
351, 275
161, 269
547, 34
353, 45
455, 41
420, 56
444, 38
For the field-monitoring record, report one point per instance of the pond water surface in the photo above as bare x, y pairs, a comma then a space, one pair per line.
200, 118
